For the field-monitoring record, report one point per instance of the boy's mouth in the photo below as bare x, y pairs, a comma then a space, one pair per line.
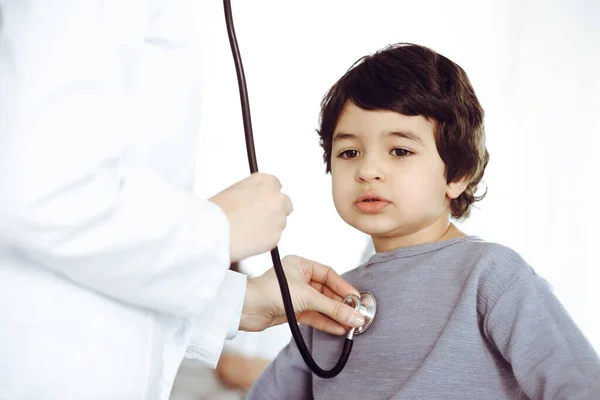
369, 198
370, 203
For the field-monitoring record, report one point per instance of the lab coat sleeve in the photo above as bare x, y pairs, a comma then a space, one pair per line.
549, 355
221, 318
288, 376
76, 195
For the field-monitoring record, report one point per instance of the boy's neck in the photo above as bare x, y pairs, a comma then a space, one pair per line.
438, 231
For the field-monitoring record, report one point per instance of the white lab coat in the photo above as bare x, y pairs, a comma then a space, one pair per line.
110, 268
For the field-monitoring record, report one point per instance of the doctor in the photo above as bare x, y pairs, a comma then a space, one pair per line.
110, 269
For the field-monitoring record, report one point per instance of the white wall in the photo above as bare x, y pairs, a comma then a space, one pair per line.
534, 65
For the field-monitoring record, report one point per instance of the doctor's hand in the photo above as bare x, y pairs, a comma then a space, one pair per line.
317, 292
257, 212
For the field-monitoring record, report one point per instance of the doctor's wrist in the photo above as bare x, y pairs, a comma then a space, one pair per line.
257, 314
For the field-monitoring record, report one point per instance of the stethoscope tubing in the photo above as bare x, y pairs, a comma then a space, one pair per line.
285, 291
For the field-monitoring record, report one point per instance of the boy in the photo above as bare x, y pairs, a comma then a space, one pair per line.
457, 317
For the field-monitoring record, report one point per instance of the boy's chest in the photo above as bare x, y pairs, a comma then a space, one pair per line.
402, 334
426, 329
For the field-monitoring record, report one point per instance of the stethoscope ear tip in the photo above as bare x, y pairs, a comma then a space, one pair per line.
367, 306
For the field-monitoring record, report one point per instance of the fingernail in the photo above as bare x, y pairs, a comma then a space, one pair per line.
356, 320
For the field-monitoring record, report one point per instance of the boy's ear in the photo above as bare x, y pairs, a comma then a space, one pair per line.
456, 188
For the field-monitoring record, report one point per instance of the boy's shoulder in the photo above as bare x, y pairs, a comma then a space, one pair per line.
491, 269
494, 259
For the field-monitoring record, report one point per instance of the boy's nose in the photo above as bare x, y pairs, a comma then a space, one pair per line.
369, 171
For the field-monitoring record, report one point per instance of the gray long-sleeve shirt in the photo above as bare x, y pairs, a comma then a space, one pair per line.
459, 319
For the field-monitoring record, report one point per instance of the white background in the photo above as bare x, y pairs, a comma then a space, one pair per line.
534, 65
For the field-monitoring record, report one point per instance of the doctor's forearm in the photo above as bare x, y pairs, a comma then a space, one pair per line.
168, 251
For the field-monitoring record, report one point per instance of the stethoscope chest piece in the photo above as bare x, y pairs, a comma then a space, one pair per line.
367, 306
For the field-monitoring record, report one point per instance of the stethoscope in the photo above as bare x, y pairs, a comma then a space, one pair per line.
365, 303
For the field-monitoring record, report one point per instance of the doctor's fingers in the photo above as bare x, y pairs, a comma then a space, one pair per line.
288, 207
321, 322
338, 311
273, 184
268, 180
317, 273
325, 290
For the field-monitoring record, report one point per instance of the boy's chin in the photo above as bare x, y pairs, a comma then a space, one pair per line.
376, 228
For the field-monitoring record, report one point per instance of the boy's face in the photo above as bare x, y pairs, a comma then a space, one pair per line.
388, 178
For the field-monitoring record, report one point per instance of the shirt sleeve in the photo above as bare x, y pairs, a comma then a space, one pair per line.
77, 196
288, 376
549, 355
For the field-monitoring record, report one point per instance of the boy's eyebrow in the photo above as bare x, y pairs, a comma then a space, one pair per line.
406, 135
402, 134
343, 136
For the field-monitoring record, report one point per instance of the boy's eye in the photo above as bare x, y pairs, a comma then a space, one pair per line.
348, 154
398, 152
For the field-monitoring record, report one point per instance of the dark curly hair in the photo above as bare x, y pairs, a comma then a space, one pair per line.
414, 80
